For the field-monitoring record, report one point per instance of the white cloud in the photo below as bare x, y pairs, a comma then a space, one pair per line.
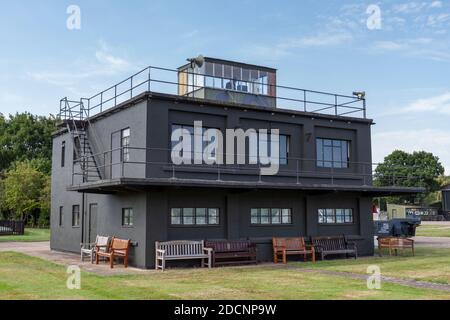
323, 40
289, 45
409, 7
438, 19
438, 105
425, 48
414, 139
104, 64
436, 4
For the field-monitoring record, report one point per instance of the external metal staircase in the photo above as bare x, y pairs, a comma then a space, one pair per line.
84, 162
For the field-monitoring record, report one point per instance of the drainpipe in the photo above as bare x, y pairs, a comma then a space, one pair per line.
82, 218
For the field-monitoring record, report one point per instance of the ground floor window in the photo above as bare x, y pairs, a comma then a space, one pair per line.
127, 217
334, 216
270, 216
194, 216
75, 215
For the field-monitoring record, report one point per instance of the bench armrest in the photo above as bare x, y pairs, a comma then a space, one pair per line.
160, 252
208, 250
98, 246
351, 244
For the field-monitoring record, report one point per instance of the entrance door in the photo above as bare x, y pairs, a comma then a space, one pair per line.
92, 222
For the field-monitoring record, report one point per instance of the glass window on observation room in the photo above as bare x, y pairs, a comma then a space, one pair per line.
332, 153
270, 216
75, 215
125, 144
127, 217
194, 216
335, 216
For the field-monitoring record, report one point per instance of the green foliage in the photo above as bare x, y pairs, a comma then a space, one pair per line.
25, 166
417, 169
24, 136
25, 190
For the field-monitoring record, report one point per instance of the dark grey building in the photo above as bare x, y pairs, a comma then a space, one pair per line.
112, 172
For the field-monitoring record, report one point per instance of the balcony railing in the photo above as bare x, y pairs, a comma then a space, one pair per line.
297, 170
163, 80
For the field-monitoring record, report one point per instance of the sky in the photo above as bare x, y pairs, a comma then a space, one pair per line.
396, 51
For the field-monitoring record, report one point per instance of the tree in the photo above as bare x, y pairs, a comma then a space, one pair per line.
24, 136
25, 191
417, 169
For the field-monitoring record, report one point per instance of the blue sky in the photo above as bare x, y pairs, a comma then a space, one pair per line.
321, 45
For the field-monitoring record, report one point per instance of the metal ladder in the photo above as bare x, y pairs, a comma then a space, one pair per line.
83, 154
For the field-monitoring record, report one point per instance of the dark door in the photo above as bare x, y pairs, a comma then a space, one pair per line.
116, 166
92, 222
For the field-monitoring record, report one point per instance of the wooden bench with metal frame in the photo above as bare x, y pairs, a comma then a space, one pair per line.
181, 250
394, 243
232, 252
334, 245
292, 246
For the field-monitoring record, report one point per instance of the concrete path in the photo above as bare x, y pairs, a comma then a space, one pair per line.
42, 250
403, 282
434, 242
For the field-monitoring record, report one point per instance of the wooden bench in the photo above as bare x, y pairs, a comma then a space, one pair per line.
291, 246
334, 245
181, 250
394, 243
232, 252
119, 249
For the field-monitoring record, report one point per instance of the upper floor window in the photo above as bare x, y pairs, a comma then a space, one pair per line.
207, 134
127, 217
75, 215
125, 144
194, 216
270, 216
332, 153
63, 153
76, 149
61, 216
335, 216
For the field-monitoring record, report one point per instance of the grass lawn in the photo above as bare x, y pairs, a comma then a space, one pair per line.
25, 277
29, 236
433, 230
431, 265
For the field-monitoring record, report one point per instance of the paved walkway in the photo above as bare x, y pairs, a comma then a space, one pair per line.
403, 282
42, 250
435, 242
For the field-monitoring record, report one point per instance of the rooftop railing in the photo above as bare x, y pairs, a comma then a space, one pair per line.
163, 80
